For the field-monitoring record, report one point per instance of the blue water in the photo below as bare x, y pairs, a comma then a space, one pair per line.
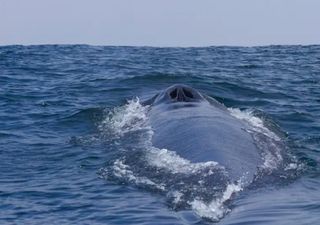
61, 152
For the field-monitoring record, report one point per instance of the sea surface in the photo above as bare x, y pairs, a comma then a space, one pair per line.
73, 133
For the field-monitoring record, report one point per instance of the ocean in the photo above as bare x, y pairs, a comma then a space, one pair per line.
73, 129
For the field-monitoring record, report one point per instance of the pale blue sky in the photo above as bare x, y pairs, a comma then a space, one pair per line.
160, 22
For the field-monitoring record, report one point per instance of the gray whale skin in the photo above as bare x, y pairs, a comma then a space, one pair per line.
200, 129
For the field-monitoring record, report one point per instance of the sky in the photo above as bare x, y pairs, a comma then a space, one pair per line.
164, 23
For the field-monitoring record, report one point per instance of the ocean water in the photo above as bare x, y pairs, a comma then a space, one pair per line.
73, 135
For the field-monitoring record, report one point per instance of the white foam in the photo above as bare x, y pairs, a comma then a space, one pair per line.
256, 123
271, 151
176, 197
128, 118
216, 209
123, 171
170, 160
295, 166
272, 159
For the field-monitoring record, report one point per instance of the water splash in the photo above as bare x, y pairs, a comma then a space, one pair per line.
216, 209
163, 158
128, 118
267, 141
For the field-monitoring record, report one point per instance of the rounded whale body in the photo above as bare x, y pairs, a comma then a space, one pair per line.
200, 129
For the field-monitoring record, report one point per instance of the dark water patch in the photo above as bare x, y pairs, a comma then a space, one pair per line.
249, 66
90, 116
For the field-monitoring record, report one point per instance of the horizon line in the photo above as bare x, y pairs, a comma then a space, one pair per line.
155, 46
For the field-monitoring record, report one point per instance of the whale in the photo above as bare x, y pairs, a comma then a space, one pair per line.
201, 129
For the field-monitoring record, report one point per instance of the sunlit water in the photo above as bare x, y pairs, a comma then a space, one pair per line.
75, 142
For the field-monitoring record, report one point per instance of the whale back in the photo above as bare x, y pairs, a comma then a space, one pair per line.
205, 131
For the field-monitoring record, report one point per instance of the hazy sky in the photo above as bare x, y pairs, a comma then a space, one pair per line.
160, 22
